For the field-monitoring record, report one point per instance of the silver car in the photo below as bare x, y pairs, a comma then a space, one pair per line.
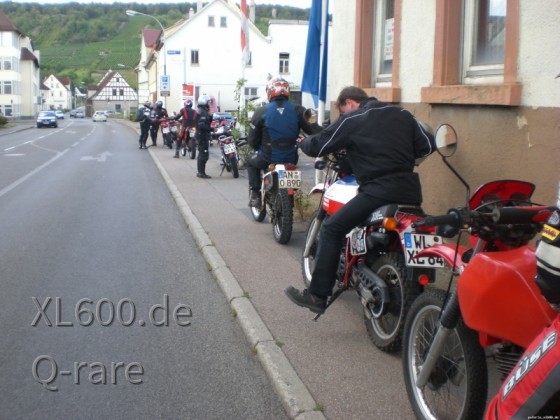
47, 119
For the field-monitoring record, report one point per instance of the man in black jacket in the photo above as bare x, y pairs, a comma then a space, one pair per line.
144, 118
382, 142
157, 114
203, 136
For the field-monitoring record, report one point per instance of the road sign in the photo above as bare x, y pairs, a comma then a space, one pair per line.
164, 85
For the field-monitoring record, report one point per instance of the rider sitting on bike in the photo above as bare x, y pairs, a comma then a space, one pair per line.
382, 142
273, 134
187, 115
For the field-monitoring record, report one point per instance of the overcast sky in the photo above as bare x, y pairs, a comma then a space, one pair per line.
294, 3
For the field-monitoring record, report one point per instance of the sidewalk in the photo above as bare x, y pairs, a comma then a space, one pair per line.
320, 369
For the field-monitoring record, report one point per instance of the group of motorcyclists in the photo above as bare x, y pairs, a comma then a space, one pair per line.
382, 143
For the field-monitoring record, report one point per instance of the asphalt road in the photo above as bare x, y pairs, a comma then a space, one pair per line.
107, 308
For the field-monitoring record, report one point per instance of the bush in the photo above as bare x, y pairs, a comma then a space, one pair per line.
3, 121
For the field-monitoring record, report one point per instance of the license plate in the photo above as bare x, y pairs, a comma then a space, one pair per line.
289, 179
416, 242
165, 130
173, 129
357, 241
229, 148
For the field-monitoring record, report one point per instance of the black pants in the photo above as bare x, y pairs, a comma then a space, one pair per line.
153, 133
254, 166
202, 155
144, 131
333, 232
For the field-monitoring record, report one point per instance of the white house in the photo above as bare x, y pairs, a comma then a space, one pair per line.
113, 93
59, 96
204, 51
20, 94
490, 73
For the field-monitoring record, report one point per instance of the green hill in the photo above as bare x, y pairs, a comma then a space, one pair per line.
83, 41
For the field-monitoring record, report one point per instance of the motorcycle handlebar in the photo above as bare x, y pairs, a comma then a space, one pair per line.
522, 215
452, 218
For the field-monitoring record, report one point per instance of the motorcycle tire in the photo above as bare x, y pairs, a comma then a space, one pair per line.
385, 324
258, 213
458, 386
234, 168
192, 151
283, 219
308, 263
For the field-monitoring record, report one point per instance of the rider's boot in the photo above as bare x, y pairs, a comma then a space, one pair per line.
255, 199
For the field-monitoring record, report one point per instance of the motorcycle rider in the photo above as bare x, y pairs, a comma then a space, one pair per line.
157, 113
273, 134
382, 142
143, 117
535, 381
203, 130
187, 115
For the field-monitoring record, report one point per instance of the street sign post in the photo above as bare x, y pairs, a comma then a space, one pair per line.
164, 85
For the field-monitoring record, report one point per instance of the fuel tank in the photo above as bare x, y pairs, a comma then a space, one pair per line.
339, 193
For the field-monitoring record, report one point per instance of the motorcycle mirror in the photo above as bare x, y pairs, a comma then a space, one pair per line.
446, 140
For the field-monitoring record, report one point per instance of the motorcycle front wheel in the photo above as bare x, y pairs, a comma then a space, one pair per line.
385, 324
234, 168
308, 263
458, 385
283, 220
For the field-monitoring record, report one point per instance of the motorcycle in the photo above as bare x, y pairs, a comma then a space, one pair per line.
168, 131
376, 258
230, 157
496, 306
190, 146
278, 187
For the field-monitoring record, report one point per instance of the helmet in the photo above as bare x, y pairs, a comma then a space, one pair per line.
203, 100
147, 104
188, 103
277, 86
159, 104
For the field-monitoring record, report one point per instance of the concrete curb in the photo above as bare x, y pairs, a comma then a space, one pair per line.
293, 393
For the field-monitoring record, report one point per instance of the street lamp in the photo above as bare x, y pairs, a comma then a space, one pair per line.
164, 78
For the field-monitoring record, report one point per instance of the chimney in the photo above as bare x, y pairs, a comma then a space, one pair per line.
191, 13
252, 10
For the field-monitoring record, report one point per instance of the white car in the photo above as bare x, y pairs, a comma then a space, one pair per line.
99, 116
59, 114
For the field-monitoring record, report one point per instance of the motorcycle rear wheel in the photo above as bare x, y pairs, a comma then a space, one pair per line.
192, 151
458, 386
386, 329
283, 216
234, 168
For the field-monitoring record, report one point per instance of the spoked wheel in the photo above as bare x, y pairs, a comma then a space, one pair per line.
385, 320
258, 213
457, 387
283, 220
192, 146
308, 263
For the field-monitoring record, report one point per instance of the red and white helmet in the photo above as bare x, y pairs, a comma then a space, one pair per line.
277, 86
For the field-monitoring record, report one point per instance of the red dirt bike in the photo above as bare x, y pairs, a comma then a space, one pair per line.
376, 258
496, 305
168, 131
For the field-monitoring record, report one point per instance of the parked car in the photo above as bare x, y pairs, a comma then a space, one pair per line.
80, 114
47, 119
72, 113
59, 114
221, 118
99, 116
109, 113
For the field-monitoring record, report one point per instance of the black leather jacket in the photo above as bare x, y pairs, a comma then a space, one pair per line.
382, 142
203, 121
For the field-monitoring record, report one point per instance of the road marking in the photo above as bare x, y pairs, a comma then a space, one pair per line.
30, 174
102, 157
14, 154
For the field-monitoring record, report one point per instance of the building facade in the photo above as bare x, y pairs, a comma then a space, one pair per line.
113, 93
487, 67
59, 95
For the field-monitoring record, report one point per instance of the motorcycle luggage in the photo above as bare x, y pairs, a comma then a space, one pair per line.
548, 260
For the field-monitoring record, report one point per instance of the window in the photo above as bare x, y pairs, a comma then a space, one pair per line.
384, 41
476, 53
7, 110
7, 87
223, 22
121, 92
211, 21
284, 63
194, 57
114, 92
250, 92
484, 40
6, 63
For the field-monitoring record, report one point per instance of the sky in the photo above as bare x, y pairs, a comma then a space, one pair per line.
294, 3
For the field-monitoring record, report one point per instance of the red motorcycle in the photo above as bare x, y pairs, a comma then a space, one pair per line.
168, 131
496, 304
377, 257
